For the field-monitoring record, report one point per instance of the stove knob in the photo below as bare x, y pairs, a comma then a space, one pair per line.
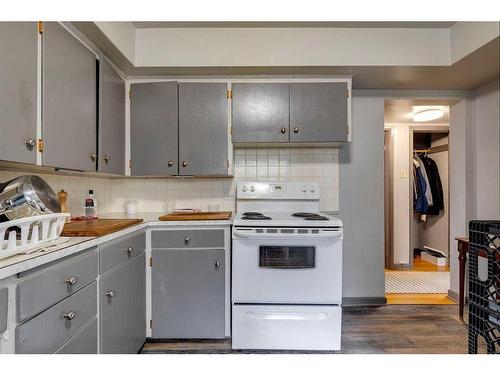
303, 189
244, 188
252, 188
311, 189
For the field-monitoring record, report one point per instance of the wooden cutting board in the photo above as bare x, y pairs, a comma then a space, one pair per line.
191, 216
96, 227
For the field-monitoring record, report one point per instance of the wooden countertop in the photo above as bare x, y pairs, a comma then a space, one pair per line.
96, 227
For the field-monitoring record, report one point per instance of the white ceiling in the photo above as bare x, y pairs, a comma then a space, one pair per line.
256, 24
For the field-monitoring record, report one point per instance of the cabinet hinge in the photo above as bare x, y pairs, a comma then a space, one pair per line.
39, 145
130, 163
348, 130
228, 163
150, 261
130, 94
348, 93
40, 27
229, 94
151, 324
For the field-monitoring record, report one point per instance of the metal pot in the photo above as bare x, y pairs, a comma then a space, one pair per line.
27, 196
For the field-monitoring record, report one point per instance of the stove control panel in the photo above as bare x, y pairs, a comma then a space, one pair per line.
278, 190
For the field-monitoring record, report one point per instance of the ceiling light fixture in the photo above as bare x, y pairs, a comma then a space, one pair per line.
428, 115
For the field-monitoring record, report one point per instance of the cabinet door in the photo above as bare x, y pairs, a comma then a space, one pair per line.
123, 308
260, 112
4, 303
203, 129
112, 120
18, 91
188, 293
69, 101
318, 112
154, 128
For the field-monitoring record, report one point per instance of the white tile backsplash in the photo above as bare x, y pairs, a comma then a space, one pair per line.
162, 194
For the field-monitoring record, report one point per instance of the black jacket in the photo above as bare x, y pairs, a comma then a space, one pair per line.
435, 184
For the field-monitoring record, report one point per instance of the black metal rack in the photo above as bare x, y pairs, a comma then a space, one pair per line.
484, 285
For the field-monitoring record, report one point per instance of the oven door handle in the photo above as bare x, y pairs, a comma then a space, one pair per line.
244, 234
275, 315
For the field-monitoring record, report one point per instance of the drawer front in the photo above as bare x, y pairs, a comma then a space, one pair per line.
120, 250
4, 302
45, 332
83, 342
177, 239
286, 327
58, 281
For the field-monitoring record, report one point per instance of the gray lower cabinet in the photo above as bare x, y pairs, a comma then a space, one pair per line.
260, 112
47, 331
123, 307
4, 303
69, 121
318, 112
83, 342
154, 128
203, 129
188, 293
111, 120
18, 91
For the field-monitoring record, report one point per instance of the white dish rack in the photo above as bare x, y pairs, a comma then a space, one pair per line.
34, 230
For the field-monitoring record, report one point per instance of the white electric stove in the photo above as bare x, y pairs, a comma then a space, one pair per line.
286, 269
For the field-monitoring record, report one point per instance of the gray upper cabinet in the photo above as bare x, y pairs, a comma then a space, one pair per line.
123, 307
18, 91
112, 120
318, 112
69, 101
154, 128
260, 112
203, 129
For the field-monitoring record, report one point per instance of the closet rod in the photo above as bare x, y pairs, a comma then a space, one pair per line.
432, 150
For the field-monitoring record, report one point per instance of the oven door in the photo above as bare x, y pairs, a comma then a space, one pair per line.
287, 270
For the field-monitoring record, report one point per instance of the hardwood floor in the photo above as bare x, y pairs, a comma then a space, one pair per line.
423, 329
418, 299
423, 266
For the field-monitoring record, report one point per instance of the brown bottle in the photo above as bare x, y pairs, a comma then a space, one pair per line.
63, 200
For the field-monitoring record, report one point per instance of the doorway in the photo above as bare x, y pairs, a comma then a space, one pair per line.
416, 225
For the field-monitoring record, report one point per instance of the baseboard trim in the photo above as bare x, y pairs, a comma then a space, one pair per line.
453, 295
364, 301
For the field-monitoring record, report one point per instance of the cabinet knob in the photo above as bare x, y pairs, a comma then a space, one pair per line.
110, 293
129, 251
106, 159
217, 266
170, 163
283, 130
30, 143
71, 280
93, 156
70, 315
184, 163
187, 240
295, 130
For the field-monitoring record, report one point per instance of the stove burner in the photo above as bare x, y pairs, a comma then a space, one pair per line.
304, 214
254, 216
317, 217
310, 216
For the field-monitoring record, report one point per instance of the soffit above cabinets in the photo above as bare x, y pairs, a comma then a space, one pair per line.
436, 71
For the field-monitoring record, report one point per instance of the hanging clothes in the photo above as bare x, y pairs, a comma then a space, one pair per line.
428, 192
420, 203
435, 185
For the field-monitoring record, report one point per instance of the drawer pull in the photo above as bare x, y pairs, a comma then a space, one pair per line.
217, 266
187, 240
71, 280
129, 251
70, 315
110, 293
